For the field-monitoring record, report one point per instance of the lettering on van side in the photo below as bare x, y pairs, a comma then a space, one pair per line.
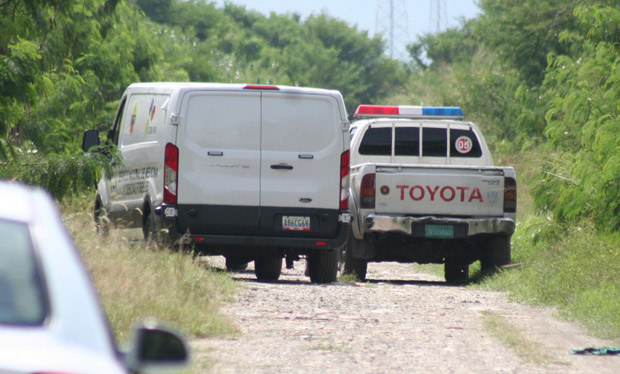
135, 188
445, 193
137, 174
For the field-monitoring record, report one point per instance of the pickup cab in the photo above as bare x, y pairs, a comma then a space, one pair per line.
424, 189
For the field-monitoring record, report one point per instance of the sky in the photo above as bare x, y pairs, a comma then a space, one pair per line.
373, 15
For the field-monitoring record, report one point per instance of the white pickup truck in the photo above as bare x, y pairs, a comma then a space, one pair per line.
424, 189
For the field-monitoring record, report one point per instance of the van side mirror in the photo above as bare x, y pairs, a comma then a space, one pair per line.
156, 348
90, 139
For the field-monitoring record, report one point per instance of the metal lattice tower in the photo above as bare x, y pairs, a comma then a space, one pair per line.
438, 16
391, 21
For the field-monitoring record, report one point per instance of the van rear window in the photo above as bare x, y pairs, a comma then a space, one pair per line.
434, 142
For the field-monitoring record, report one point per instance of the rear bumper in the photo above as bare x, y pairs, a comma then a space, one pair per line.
167, 216
410, 225
239, 241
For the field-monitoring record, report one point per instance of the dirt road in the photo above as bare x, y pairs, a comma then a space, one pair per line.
397, 322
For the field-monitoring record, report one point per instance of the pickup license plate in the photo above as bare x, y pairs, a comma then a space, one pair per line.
295, 223
439, 231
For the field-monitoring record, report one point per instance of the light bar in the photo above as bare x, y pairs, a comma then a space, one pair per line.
408, 111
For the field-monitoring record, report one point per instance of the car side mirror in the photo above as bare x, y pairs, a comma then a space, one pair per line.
156, 348
90, 139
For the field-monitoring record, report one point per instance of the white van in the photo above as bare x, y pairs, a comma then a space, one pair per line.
251, 172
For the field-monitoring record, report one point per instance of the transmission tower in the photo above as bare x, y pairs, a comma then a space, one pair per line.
438, 16
391, 22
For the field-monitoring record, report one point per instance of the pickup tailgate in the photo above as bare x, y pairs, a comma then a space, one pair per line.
437, 190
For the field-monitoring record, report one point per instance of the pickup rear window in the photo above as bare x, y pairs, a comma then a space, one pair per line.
435, 141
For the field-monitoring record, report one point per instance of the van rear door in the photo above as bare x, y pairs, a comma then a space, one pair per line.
219, 163
302, 142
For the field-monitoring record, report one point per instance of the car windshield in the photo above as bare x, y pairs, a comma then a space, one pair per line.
22, 300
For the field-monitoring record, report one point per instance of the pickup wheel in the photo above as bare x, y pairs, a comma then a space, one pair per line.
455, 271
323, 266
497, 253
268, 268
354, 266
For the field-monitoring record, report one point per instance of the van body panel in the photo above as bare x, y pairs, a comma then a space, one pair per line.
142, 118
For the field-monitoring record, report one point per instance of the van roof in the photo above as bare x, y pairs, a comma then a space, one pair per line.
177, 86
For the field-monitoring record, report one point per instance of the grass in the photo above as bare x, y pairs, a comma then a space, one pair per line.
514, 339
136, 280
576, 269
571, 266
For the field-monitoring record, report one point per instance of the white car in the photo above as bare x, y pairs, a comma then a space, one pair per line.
50, 318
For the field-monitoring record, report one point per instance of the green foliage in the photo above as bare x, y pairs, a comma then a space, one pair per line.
581, 178
61, 175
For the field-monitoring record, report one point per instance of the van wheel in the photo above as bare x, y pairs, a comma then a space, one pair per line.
235, 263
455, 271
323, 266
268, 268
497, 253
354, 266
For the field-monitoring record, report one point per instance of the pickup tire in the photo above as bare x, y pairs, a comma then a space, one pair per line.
497, 253
456, 271
354, 266
323, 266
268, 268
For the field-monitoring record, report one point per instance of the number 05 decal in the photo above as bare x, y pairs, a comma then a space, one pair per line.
463, 144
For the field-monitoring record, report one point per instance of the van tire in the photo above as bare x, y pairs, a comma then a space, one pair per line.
323, 266
456, 271
234, 263
354, 266
268, 268
497, 253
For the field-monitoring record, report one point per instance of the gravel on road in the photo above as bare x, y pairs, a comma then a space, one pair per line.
399, 321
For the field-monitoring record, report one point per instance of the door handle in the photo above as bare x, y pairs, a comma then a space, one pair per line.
282, 167
215, 153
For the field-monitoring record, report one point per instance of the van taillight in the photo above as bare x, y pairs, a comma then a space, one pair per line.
171, 169
510, 195
367, 195
345, 163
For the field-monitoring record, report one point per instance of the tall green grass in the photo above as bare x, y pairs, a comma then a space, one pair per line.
570, 266
136, 280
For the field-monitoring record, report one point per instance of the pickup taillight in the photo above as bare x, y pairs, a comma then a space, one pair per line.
367, 191
171, 169
510, 195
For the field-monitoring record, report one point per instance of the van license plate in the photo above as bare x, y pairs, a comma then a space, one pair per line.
295, 223
439, 231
